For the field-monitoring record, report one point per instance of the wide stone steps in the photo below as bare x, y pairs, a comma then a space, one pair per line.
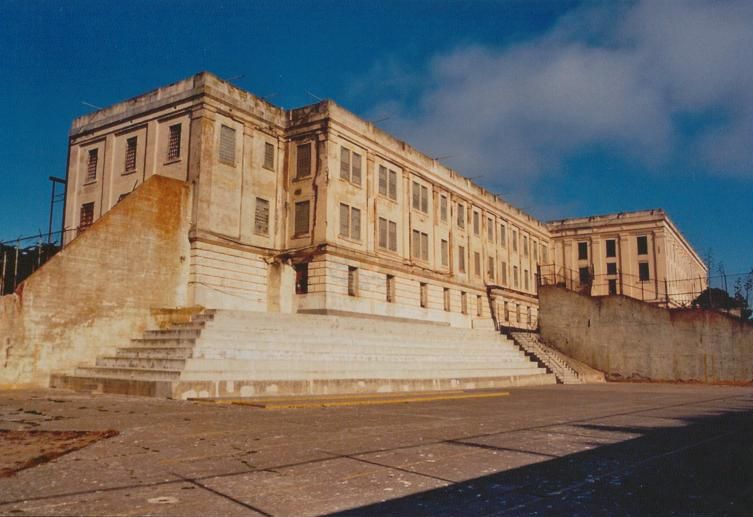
220, 352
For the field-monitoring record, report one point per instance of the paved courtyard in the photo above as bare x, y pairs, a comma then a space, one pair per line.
616, 449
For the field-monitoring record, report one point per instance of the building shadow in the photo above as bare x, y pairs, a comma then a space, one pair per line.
702, 468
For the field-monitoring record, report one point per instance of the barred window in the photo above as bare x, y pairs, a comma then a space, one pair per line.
390, 287
173, 142
350, 222
461, 259
525, 246
424, 199
301, 225
227, 145
382, 232
490, 229
443, 208
445, 252
261, 216
461, 215
514, 240
544, 254
383, 180
345, 163
416, 196
476, 223
392, 236
502, 235
130, 154
269, 156
415, 244
352, 281
303, 161
526, 279
392, 193
387, 234
424, 294
424, 246
350, 166
515, 279
490, 268
642, 245
447, 299
91, 165
355, 173
477, 263
86, 217
464, 302
503, 272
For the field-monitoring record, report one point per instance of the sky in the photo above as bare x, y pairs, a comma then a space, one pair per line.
563, 108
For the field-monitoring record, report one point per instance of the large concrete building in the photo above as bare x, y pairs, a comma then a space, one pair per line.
311, 209
233, 236
639, 254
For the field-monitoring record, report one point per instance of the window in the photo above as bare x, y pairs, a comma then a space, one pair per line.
490, 268
302, 278
517, 312
130, 154
643, 245
443, 208
303, 161
514, 240
392, 191
445, 252
464, 302
382, 180
461, 259
529, 319
643, 273
301, 224
507, 311
611, 248
479, 306
86, 217
503, 271
91, 165
515, 278
476, 223
352, 281
477, 263
423, 294
173, 142
390, 286
261, 217
502, 235
461, 215
420, 245
227, 145
350, 166
269, 156
611, 268
526, 280
613, 286
490, 230
387, 234
420, 197
446, 299
584, 275
350, 222
544, 254
525, 245
582, 251
535, 250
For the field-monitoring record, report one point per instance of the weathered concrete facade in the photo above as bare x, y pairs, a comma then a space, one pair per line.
639, 254
311, 210
101, 288
631, 340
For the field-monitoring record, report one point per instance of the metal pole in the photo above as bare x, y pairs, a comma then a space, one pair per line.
52, 206
666, 293
15, 266
5, 260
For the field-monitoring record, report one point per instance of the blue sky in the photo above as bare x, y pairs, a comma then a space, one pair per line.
564, 108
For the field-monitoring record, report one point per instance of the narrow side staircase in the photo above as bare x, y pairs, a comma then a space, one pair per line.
554, 360
238, 353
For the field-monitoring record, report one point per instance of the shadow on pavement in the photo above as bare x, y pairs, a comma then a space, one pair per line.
702, 468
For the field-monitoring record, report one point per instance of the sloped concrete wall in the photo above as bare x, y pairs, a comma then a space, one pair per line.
631, 340
100, 290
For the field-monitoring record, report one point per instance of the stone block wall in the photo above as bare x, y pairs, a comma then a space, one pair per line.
631, 340
102, 288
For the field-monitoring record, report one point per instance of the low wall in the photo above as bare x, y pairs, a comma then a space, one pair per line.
101, 289
631, 340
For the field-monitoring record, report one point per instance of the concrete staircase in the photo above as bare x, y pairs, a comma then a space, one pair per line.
237, 353
555, 361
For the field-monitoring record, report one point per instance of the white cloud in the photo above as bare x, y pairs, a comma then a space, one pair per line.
621, 77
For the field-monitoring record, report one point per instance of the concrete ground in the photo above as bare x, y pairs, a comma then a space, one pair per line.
614, 449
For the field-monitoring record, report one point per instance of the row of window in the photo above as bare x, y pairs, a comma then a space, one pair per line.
611, 247
131, 147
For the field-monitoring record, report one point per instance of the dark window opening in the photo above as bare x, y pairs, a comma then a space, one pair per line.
611, 248
302, 278
643, 272
611, 268
613, 286
642, 245
582, 251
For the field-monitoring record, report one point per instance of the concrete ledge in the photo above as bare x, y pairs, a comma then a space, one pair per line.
161, 389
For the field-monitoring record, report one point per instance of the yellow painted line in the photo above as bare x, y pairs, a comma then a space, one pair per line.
366, 402
236, 400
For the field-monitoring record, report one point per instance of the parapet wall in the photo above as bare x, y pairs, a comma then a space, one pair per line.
101, 289
631, 340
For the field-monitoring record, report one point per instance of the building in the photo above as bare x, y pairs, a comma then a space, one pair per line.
311, 210
639, 254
